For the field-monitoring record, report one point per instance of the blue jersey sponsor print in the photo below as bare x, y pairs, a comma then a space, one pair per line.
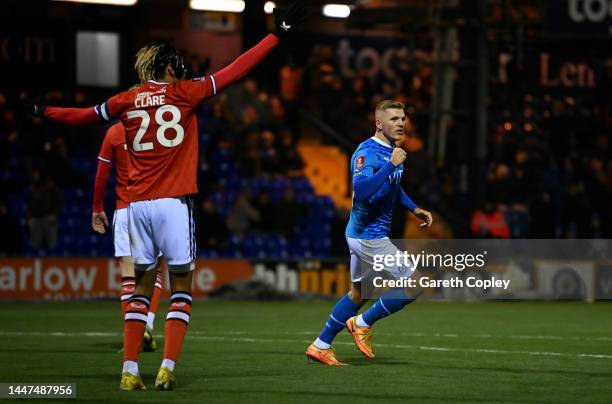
371, 218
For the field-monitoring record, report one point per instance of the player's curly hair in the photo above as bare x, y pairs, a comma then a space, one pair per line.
145, 62
152, 60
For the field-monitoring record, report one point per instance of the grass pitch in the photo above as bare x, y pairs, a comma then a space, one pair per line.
253, 352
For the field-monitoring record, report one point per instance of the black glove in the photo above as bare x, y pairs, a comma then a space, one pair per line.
34, 108
287, 23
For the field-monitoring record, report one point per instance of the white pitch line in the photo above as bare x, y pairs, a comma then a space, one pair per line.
404, 334
292, 341
432, 335
414, 347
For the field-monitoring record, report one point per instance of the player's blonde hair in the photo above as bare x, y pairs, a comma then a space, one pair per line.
145, 62
388, 104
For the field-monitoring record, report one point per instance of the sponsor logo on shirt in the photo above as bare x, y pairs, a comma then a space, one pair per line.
396, 176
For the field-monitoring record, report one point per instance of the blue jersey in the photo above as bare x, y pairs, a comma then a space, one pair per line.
371, 218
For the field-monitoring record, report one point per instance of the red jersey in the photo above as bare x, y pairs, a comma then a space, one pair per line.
114, 151
161, 126
161, 135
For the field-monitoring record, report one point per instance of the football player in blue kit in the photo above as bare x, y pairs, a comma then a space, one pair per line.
377, 167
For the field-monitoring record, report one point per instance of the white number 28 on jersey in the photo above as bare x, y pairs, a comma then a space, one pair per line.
161, 131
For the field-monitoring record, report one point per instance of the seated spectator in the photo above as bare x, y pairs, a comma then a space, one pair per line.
43, 211
290, 160
213, 232
268, 213
288, 212
243, 214
270, 158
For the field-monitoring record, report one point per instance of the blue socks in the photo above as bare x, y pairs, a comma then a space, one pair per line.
391, 301
343, 310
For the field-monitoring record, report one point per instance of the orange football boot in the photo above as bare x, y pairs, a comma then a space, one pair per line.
362, 337
324, 356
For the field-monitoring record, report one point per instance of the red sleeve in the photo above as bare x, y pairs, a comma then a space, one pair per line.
201, 88
102, 174
244, 63
105, 162
72, 116
106, 111
106, 150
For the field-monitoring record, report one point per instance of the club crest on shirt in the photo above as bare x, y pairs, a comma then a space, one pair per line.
360, 162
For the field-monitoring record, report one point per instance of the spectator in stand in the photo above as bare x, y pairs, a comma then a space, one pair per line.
357, 106
542, 224
268, 214
489, 223
290, 159
248, 155
500, 187
290, 93
326, 87
213, 233
270, 156
242, 215
247, 97
277, 112
43, 211
287, 214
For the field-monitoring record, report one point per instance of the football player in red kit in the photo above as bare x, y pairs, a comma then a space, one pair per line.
114, 152
161, 136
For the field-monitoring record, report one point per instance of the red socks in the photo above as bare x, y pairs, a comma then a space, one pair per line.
156, 293
128, 283
134, 326
177, 320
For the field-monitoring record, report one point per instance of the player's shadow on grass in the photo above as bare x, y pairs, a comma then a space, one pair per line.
362, 361
148, 378
280, 352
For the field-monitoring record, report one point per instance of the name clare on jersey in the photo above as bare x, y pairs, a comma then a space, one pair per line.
148, 100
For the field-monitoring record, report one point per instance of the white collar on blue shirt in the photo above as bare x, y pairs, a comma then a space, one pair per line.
377, 140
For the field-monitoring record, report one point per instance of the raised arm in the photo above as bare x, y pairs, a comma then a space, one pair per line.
244, 63
285, 25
